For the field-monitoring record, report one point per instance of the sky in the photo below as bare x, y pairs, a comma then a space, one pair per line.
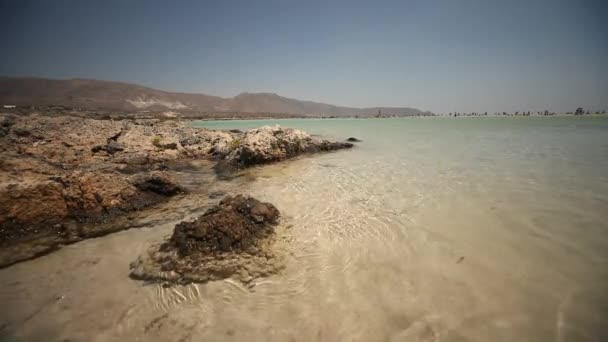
438, 55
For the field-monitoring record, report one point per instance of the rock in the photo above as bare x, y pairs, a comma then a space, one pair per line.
351, 139
25, 207
231, 225
231, 239
157, 182
103, 195
235, 131
42, 209
269, 144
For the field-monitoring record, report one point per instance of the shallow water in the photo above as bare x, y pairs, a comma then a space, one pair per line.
431, 229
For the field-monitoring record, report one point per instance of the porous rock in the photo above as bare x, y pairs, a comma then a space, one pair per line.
231, 239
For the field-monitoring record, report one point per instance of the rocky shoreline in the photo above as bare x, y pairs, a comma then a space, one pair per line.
65, 179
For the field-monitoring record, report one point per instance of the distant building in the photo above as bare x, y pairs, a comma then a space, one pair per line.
9, 106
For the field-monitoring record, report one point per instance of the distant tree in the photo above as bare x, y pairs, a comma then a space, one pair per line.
579, 111
546, 112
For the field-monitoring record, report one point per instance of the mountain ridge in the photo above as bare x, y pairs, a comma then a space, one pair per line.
127, 97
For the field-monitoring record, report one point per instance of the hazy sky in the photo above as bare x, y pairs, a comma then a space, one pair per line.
442, 56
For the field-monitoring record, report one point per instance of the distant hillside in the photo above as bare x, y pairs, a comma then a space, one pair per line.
116, 96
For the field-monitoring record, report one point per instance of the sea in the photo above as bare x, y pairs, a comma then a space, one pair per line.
429, 229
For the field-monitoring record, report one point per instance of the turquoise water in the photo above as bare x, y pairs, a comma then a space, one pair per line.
431, 229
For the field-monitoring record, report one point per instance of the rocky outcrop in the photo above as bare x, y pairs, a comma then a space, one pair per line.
25, 207
270, 144
232, 225
230, 239
80, 196
53, 210
56, 171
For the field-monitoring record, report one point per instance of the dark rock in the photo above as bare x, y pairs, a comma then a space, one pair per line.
235, 131
326, 145
351, 139
115, 137
158, 183
232, 239
234, 224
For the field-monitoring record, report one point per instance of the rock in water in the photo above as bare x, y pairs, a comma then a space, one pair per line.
230, 239
233, 225
351, 139
270, 144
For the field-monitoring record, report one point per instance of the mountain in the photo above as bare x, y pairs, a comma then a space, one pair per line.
125, 97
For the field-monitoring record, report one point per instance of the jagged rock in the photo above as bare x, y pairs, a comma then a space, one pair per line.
100, 196
231, 225
26, 206
269, 144
230, 239
39, 210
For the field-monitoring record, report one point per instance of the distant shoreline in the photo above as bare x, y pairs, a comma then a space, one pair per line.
55, 111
